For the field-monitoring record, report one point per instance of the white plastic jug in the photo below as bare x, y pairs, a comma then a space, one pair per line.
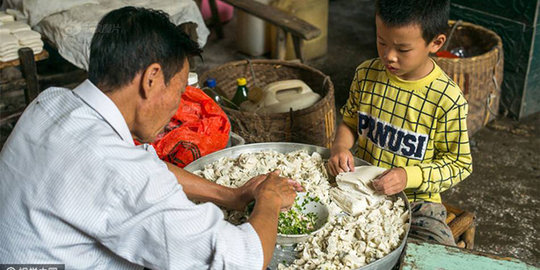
281, 96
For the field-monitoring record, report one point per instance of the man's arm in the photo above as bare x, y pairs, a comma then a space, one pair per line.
200, 189
163, 229
273, 194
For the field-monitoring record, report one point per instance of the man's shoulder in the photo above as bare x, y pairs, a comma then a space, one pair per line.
58, 118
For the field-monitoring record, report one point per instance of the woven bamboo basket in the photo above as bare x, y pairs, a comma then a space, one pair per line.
314, 125
479, 76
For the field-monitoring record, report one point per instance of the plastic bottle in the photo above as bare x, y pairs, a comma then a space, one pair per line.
217, 95
241, 92
193, 79
211, 83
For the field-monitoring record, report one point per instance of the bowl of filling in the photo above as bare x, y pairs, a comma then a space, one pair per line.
307, 216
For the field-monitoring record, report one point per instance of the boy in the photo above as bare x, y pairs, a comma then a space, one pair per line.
407, 115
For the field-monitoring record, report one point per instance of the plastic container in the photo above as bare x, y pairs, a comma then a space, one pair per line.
193, 79
314, 12
252, 33
235, 140
282, 96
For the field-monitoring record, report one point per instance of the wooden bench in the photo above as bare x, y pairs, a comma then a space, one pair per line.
299, 29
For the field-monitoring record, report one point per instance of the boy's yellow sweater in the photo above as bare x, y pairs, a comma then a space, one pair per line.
418, 125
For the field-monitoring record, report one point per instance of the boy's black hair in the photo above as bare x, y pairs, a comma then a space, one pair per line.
431, 15
130, 39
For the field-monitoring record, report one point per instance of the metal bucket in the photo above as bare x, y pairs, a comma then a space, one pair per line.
286, 253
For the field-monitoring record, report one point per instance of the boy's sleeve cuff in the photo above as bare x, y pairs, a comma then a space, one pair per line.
414, 176
350, 122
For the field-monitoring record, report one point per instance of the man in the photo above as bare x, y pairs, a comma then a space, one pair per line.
75, 190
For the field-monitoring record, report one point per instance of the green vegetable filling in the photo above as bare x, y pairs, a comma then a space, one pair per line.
295, 221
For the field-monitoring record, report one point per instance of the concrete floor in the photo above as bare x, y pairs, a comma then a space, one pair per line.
503, 189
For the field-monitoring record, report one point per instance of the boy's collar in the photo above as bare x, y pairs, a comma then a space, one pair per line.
416, 84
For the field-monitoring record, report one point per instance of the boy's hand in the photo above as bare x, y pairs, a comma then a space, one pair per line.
341, 160
391, 182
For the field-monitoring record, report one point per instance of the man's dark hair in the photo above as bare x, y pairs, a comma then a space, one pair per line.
431, 15
130, 39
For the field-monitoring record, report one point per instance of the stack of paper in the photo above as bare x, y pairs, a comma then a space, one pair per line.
9, 45
30, 39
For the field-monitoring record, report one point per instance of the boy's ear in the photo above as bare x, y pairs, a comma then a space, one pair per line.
437, 43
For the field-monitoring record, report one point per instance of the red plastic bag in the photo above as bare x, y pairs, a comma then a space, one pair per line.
198, 128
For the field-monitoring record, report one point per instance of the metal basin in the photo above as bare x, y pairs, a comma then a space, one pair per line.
286, 253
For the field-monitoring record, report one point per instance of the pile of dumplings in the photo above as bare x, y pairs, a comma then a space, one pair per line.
346, 242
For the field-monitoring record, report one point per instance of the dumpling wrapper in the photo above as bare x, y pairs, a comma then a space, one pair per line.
354, 192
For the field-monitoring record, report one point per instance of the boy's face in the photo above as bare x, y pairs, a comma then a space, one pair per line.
404, 51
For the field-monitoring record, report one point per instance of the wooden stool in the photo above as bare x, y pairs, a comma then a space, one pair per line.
461, 223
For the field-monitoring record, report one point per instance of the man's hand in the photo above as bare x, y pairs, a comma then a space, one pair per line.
272, 195
276, 187
246, 193
391, 182
341, 160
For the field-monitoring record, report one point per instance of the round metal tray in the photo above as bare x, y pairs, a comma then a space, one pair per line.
284, 253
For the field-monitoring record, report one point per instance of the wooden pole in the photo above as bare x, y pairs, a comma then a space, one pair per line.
461, 223
29, 70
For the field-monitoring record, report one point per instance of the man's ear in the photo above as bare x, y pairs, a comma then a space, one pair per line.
437, 43
152, 79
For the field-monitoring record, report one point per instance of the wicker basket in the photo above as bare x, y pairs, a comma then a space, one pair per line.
480, 76
313, 125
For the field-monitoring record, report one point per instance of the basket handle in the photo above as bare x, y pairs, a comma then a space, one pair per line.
324, 83
492, 96
456, 24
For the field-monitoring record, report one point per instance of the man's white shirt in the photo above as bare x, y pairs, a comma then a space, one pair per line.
75, 190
